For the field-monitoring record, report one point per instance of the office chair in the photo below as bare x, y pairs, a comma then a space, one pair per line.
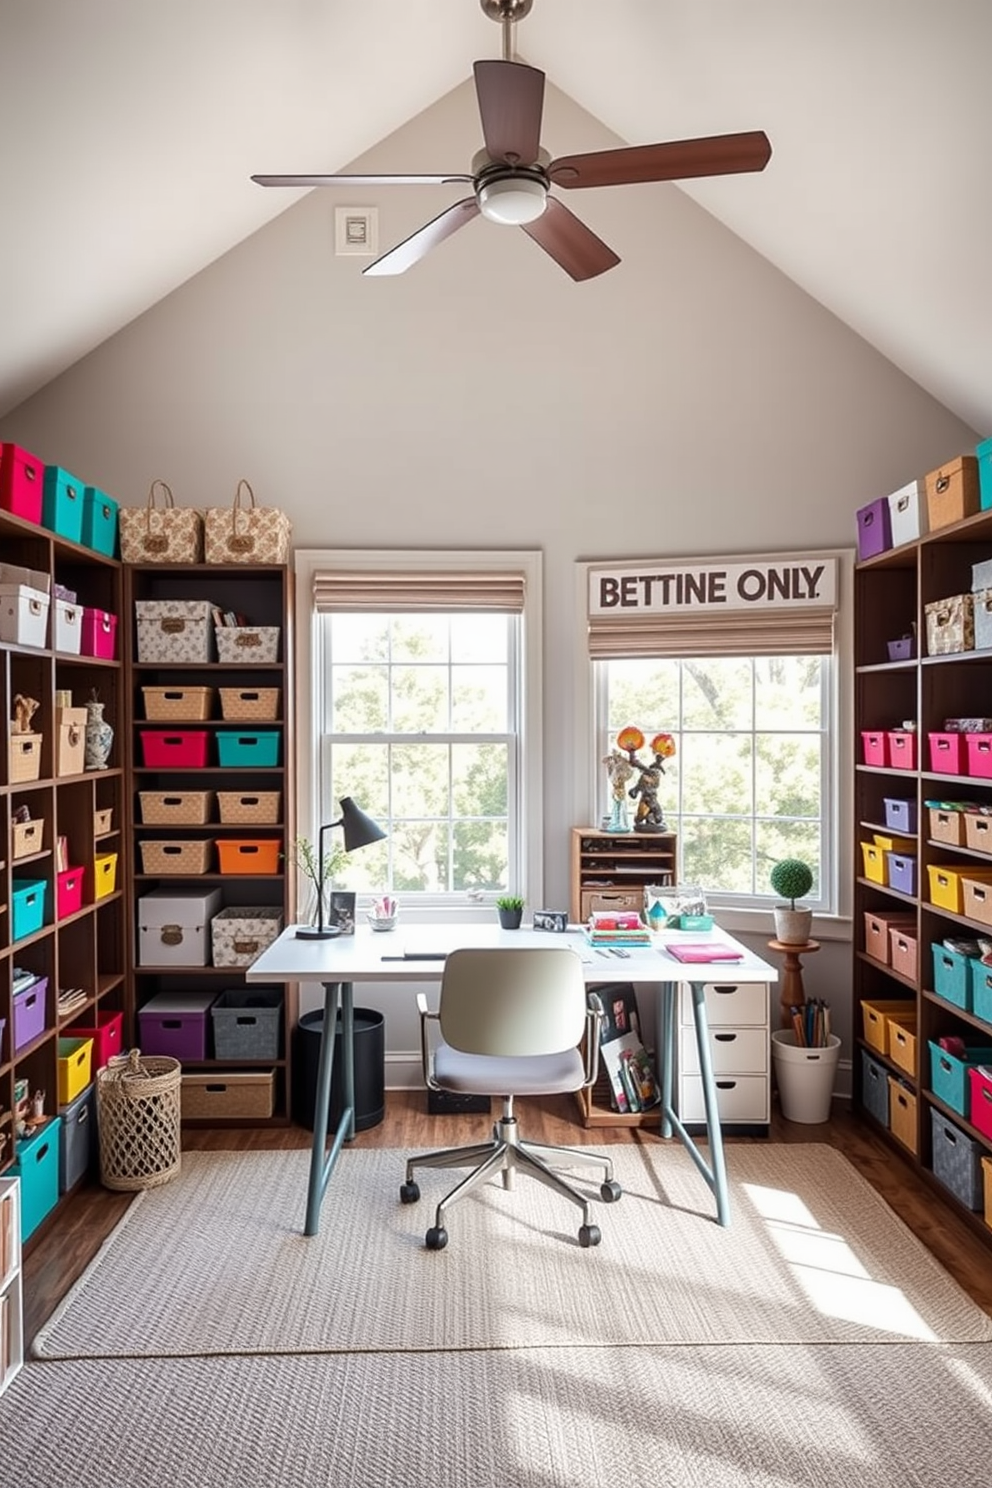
511, 1022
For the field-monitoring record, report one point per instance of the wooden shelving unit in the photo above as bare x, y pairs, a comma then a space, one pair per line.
610, 870
263, 595
892, 591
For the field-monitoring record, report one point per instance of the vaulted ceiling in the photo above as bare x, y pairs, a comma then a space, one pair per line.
129, 130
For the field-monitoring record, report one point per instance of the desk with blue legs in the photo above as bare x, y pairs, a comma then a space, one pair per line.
416, 955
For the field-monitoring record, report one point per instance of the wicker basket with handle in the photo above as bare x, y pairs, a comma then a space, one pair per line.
138, 1107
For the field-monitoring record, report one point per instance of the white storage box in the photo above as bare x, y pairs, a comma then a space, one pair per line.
981, 575
174, 926
908, 512
983, 622
68, 627
25, 598
240, 934
248, 644
174, 630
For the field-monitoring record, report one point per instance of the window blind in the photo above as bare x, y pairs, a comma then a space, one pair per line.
338, 590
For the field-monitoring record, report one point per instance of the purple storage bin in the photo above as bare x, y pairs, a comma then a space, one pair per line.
874, 528
904, 649
902, 872
900, 815
29, 1012
176, 1026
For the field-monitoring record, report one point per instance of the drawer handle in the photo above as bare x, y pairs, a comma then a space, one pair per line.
726, 1084
725, 1038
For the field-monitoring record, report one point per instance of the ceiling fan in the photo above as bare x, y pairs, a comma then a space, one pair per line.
512, 177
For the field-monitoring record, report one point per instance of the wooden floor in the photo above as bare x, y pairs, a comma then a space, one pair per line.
61, 1252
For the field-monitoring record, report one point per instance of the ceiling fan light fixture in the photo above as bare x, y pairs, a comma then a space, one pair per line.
512, 200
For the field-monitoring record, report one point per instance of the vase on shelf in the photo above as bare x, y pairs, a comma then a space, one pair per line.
99, 736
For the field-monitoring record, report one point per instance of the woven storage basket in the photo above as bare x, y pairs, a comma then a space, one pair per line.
175, 808
249, 807
138, 1109
189, 856
240, 702
181, 704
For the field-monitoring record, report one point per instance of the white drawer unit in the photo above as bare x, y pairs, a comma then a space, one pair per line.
11, 1292
737, 1016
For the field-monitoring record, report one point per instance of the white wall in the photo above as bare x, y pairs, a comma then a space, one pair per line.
691, 401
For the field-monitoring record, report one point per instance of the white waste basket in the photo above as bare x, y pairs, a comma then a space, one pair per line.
805, 1077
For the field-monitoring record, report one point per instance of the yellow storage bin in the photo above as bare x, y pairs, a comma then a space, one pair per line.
876, 1016
104, 874
74, 1060
895, 844
946, 891
902, 1113
876, 867
901, 1034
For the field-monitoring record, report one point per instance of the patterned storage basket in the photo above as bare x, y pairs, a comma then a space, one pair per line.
240, 934
238, 703
189, 856
247, 644
166, 534
245, 532
138, 1108
246, 808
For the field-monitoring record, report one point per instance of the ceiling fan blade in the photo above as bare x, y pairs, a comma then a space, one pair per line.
570, 243
420, 243
359, 180
511, 102
677, 160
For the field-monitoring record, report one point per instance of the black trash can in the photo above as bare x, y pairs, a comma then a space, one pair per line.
370, 1069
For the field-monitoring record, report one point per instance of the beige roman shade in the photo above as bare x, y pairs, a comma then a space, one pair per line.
397, 592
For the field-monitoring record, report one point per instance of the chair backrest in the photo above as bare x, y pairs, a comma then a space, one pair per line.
512, 1002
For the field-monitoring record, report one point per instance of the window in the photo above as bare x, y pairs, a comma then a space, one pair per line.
425, 684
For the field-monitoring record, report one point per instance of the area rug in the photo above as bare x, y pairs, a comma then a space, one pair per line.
215, 1263
717, 1416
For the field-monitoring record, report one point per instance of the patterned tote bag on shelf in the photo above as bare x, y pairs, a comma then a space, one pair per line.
161, 534
245, 532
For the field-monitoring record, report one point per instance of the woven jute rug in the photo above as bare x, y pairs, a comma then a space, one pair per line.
215, 1263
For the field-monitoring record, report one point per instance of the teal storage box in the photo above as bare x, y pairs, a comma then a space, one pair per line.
981, 991
949, 1075
261, 748
27, 908
62, 503
953, 976
36, 1163
983, 453
99, 522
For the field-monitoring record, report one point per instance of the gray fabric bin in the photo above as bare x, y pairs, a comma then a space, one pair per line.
875, 1088
246, 1023
957, 1161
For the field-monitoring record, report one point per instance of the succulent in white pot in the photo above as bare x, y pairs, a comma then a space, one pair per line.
791, 878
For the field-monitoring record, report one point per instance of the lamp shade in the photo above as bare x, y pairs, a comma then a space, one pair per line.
359, 830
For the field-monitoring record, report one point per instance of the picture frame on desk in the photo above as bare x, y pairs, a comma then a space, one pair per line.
341, 912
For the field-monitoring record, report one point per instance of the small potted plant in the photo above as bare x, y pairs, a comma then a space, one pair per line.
792, 878
510, 908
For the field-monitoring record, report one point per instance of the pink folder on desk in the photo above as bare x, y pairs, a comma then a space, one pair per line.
704, 951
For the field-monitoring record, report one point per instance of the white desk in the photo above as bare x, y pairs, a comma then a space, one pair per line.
416, 954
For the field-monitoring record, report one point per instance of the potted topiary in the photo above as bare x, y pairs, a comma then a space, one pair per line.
792, 878
510, 908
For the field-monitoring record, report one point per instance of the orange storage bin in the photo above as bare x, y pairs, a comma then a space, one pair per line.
876, 1016
902, 1113
248, 854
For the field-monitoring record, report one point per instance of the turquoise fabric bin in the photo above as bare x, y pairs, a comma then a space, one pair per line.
953, 976
99, 522
242, 748
36, 1163
27, 909
62, 503
983, 453
981, 986
949, 1075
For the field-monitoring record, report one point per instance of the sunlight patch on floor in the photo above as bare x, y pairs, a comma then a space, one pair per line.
829, 1272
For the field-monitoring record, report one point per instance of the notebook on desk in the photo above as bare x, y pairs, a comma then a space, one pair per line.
698, 951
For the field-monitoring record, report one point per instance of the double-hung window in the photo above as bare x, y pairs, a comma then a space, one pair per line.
425, 710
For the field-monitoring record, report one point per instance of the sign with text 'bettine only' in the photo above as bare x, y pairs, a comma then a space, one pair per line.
658, 589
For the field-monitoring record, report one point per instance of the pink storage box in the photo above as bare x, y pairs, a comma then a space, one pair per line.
947, 754
902, 750
980, 1077
180, 749
876, 748
22, 480
69, 891
979, 754
107, 1035
99, 634
29, 1013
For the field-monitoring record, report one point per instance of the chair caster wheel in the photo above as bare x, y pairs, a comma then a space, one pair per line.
436, 1237
610, 1191
589, 1235
409, 1192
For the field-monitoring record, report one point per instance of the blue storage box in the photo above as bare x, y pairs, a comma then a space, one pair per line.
981, 991
874, 528
957, 1160
27, 909
261, 748
62, 503
902, 872
952, 976
875, 1088
99, 521
949, 1075
983, 453
77, 1144
900, 814
36, 1163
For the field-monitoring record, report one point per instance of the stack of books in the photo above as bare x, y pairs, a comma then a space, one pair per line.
616, 929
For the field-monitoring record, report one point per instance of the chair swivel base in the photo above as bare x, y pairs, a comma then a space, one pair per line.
505, 1155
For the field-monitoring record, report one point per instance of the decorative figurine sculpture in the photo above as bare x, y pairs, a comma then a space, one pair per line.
649, 816
619, 769
24, 710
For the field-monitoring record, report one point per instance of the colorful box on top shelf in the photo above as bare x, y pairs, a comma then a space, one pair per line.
22, 477
908, 512
874, 528
62, 503
952, 491
983, 454
99, 528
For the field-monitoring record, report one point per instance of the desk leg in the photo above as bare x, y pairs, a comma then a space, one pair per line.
715, 1172
321, 1162
668, 991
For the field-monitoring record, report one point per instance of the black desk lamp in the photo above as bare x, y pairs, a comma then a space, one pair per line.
359, 831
